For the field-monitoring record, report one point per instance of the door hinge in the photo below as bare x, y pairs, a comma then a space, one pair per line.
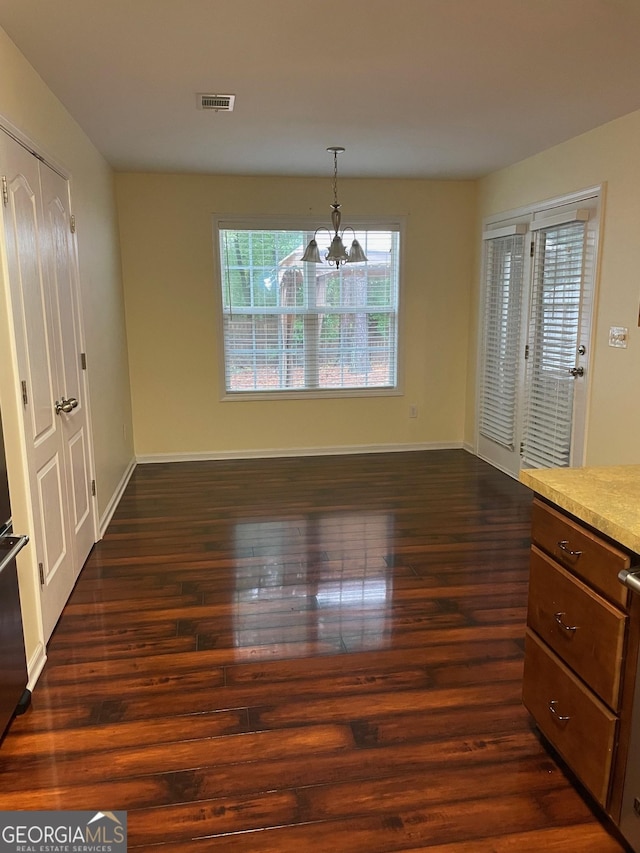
531, 249
526, 352
93, 488
72, 224
41, 573
83, 360
522, 448
5, 191
25, 396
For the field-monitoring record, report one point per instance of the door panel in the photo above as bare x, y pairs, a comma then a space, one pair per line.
79, 488
42, 270
31, 297
557, 293
505, 268
33, 322
535, 337
61, 265
50, 494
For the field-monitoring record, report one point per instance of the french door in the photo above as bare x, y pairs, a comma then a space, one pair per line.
535, 340
46, 318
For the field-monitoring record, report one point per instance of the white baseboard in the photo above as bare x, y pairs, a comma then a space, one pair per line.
268, 453
35, 665
115, 498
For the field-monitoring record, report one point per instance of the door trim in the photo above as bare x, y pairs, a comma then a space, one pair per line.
22, 139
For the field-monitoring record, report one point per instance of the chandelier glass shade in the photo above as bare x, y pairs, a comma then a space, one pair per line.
337, 253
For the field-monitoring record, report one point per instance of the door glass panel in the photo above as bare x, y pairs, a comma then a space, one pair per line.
553, 343
504, 266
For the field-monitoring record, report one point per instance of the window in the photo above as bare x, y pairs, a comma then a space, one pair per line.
290, 326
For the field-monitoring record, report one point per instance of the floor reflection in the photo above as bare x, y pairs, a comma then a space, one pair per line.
314, 578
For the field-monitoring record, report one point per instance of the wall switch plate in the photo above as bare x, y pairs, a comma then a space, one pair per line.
413, 411
618, 336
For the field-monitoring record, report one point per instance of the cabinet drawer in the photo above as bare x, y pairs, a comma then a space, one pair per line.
586, 631
581, 551
572, 719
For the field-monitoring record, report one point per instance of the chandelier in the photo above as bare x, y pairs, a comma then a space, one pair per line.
336, 254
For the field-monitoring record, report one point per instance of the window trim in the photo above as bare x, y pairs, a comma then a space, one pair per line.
278, 222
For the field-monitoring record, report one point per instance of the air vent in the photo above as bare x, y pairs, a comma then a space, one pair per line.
219, 103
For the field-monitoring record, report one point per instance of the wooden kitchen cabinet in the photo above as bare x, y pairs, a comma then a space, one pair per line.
569, 715
581, 649
584, 552
582, 628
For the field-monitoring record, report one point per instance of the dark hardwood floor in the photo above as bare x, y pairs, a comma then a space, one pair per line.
319, 654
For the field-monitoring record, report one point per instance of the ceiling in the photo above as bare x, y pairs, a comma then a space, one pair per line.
411, 88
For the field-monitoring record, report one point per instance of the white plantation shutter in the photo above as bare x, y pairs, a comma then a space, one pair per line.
289, 325
553, 341
503, 278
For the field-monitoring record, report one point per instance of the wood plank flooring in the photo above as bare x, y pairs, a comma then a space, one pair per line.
320, 654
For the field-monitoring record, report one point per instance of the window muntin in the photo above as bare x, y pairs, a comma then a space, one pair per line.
290, 326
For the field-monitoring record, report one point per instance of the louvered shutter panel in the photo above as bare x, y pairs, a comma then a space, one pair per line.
553, 340
503, 273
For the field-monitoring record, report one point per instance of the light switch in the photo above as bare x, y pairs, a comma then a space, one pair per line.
618, 336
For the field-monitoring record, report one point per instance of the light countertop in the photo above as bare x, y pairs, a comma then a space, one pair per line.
607, 498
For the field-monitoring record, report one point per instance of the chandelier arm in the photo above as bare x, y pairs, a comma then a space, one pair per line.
337, 253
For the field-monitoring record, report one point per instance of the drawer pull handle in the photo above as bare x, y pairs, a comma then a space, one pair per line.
569, 628
563, 544
562, 717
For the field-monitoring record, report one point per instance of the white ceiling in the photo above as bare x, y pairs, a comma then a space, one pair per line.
411, 88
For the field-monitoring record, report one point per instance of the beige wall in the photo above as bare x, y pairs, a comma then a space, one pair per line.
28, 105
607, 155
172, 311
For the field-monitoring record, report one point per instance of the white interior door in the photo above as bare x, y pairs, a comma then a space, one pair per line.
74, 424
42, 285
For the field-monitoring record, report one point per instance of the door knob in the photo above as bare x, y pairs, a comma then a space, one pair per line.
576, 371
63, 406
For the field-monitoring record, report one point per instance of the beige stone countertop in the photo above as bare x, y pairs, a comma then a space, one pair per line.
607, 498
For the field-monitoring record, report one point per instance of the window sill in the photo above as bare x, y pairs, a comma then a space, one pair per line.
324, 394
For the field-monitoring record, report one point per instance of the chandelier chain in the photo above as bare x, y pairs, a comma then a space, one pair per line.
337, 253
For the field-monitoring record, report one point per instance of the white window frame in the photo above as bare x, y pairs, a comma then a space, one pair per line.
231, 221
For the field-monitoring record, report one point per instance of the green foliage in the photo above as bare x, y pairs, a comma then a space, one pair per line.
250, 261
